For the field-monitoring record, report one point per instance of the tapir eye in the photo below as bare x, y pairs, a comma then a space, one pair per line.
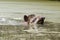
34, 20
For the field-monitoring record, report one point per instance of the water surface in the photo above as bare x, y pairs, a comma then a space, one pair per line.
13, 12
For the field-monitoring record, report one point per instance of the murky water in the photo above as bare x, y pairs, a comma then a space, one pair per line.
11, 14
49, 9
12, 31
48, 31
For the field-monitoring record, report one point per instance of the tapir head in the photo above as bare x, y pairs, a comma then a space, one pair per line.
27, 18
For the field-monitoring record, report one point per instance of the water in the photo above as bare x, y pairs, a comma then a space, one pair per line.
15, 10
48, 31
11, 14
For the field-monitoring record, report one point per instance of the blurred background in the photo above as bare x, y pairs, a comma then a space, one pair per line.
18, 8
29, 0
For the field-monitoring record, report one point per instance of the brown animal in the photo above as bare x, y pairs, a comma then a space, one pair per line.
32, 16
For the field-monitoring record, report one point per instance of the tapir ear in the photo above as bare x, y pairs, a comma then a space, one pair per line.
25, 18
41, 21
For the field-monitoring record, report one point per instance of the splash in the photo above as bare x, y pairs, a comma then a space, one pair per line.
10, 21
